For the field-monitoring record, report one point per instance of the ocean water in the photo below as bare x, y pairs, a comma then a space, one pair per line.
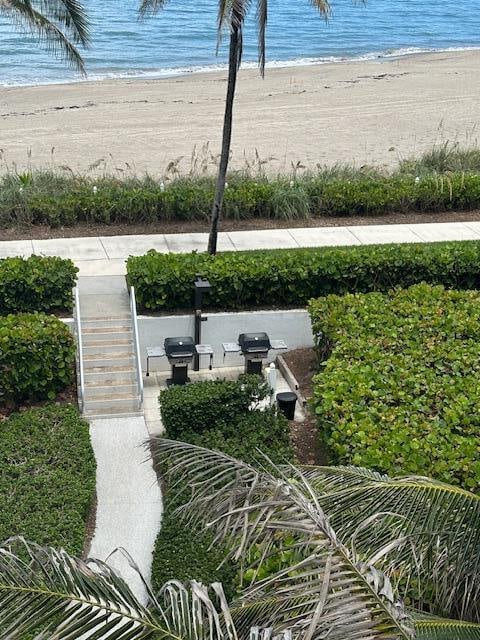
182, 38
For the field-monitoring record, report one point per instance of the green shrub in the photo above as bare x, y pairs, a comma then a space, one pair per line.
215, 415
284, 278
36, 284
208, 404
37, 355
48, 198
399, 392
47, 477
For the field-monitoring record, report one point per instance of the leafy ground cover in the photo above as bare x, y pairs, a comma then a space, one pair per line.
447, 178
291, 277
47, 476
221, 420
398, 389
37, 283
37, 355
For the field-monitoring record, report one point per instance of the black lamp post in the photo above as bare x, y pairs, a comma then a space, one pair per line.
201, 286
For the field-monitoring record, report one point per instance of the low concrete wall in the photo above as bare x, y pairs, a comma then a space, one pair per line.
292, 326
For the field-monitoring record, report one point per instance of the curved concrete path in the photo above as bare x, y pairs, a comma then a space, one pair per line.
129, 501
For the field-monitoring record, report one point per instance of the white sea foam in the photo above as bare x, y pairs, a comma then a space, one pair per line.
271, 64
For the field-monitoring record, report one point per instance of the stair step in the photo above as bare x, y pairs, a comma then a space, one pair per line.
108, 361
109, 336
114, 397
127, 390
98, 332
110, 404
95, 383
108, 348
112, 414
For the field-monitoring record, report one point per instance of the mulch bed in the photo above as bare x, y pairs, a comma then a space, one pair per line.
308, 449
40, 232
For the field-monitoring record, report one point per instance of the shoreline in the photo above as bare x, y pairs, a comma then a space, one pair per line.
175, 72
360, 112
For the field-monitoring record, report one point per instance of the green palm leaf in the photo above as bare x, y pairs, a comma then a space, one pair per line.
439, 524
48, 590
327, 590
440, 629
46, 26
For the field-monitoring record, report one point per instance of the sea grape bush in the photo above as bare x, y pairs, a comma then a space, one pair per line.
291, 277
398, 387
36, 283
37, 355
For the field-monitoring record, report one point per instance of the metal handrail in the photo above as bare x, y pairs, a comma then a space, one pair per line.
133, 310
78, 327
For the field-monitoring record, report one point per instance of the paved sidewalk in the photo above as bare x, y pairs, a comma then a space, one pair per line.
106, 255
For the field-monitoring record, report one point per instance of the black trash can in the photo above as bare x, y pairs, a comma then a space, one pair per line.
286, 402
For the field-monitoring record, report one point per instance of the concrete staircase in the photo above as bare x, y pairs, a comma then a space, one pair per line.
109, 360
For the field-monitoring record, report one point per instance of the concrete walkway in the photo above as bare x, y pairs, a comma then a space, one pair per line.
129, 501
106, 255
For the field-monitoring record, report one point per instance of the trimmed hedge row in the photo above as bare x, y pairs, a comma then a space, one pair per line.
399, 392
37, 355
227, 425
36, 284
47, 479
283, 278
60, 201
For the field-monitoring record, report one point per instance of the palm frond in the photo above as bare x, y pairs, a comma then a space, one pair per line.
323, 7
327, 589
70, 14
48, 590
439, 525
150, 7
441, 629
26, 18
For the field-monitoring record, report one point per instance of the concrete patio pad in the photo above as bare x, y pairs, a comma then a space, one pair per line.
120, 247
74, 248
385, 234
263, 239
324, 237
445, 231
12, 248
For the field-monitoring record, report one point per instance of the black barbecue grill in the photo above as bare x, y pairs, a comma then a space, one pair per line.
179, 352
254, 347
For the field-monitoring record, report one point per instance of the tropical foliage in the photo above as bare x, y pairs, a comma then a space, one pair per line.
398, 386
59, 25
342, 573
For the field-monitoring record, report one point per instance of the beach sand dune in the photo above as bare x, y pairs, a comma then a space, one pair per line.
361, 112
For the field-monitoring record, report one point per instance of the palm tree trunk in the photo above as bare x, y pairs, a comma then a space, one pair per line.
233, 63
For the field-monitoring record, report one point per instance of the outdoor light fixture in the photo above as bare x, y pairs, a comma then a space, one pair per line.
201, 286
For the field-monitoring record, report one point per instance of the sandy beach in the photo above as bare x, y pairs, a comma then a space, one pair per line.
361, 112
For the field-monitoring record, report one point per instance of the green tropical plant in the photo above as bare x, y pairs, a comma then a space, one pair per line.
326, 588
232, 15
59, 25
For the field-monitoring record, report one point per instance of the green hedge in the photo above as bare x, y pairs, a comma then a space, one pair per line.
58, 200
210, 404
400, 390
47, 477
36, 284
241, 434
37, 355
283, 278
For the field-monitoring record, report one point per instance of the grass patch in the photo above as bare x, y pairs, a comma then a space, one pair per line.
398, 389
47, 477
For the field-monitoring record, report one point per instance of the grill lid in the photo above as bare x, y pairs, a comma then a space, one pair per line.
254, 342
180, 347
